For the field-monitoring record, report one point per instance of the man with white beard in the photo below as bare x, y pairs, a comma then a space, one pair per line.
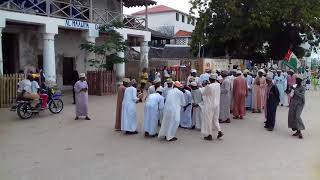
211, 107
171, 112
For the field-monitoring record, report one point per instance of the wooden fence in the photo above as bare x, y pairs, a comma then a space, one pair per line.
8, 88
101, 83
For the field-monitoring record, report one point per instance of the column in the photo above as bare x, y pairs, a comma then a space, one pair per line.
2, 26
144, 51
90, 55
120, 67
49, 62
1, 57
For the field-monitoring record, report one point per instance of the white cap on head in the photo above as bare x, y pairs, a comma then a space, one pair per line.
239, 72
160, 89
218, 70
214, 76
82, 75
269, 76
156, 81
261, 70
193, 71
167, 75
126, 80
193, 84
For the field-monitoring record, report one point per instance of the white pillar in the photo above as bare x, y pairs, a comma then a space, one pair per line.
49, 62
120, 68
1, 57
144, 51
90, 55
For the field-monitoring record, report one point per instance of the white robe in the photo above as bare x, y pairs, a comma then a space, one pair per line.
211, 107
128, 113
152, 111
171, 114
196, 111
186, 116
166, 91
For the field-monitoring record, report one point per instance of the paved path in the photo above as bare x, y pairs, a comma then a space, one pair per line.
55, 147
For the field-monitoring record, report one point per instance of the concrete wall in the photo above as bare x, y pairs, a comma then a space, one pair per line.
110, 5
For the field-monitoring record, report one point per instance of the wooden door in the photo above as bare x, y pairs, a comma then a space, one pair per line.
68, 68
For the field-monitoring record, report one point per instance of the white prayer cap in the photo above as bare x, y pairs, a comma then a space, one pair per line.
167, 75
246, 71
82, 75
269, 76
169, 80
261, 70
214, 76
193, 71
156, 81
160, 89
126, 80
239, 72
218, 70
193, 84
299, 76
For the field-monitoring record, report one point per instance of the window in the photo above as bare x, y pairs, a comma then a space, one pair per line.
182, 18
192, 21
189, 20
177, 16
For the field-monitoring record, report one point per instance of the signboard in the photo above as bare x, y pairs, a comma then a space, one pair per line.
77, 24
222, 64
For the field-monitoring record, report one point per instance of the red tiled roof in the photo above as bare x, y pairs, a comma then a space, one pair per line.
156, 9
182, 33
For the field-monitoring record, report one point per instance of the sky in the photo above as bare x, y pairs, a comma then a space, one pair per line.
181, 5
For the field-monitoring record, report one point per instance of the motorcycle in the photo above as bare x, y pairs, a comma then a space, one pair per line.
26, 111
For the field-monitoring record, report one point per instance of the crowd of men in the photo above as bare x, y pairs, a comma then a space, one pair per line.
204, 102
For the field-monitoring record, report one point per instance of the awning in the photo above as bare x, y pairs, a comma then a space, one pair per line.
135, 3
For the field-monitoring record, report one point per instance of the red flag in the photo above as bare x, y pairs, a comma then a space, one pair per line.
287, 57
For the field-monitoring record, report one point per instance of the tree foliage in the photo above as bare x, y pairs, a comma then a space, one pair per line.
107, 52
255, 29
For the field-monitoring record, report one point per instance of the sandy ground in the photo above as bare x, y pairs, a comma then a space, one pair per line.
55, 147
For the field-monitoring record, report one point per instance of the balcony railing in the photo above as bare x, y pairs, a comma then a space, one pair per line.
74, 11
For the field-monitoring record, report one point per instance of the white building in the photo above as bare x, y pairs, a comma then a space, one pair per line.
171, 22
47, 34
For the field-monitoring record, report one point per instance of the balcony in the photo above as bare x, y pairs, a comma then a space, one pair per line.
71, 10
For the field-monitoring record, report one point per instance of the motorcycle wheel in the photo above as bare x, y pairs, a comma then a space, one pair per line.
56, 106
24, 111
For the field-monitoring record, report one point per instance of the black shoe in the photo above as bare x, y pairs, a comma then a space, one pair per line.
193, 127
300, 136
87, 118
220, 134
270, 129
173, 139
266, 127
135, 132
77, 118
296, 134
131, 133
146, 134
155, 135
208, 138
73, 103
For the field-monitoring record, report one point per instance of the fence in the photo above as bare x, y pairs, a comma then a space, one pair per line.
101, 82
8, 88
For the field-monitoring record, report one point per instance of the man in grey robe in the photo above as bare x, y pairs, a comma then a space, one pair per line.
225, 97
196, 105
295, 108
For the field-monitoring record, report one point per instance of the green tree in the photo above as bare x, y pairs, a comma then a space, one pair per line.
107, 52
255, 29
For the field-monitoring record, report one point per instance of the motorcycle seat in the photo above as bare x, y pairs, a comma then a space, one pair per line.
23, 99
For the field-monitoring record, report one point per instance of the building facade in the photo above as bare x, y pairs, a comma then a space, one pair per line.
47, 34
171, 22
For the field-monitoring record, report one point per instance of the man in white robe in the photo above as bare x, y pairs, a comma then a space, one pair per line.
152, 89
193, 78
211, 105
186, 111
167, 88
152, 111
128, 114
205, 76
196, 105
171, 113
